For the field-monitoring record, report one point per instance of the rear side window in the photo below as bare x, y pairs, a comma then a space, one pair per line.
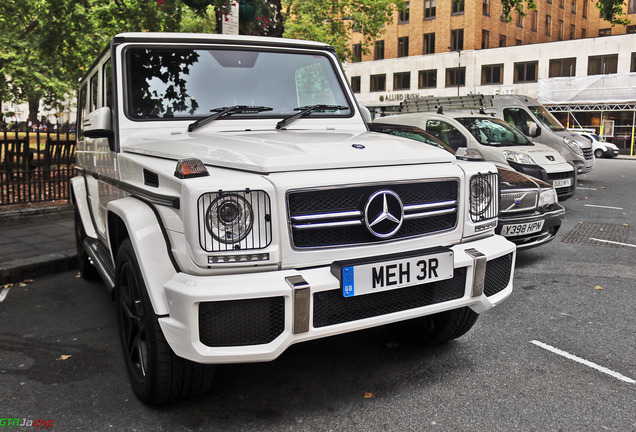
446, 133
94, 85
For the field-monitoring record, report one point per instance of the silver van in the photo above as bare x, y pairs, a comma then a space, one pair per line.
527, 115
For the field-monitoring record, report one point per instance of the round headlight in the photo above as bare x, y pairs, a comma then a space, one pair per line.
229, 218
576, 148
480, 196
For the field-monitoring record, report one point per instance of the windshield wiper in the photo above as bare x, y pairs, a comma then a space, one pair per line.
225, 112
306, 110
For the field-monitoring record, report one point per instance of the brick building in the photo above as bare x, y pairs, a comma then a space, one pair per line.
436, 26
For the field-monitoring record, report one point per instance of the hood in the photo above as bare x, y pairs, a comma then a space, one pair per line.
289, 150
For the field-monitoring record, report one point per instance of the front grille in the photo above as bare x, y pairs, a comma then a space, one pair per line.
335, 217
241, 322
588, 153
518, 201
331, 307
498, 273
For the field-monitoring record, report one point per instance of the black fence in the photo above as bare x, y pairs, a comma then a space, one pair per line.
36, 164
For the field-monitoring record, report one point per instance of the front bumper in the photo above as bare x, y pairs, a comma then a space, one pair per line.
552, 222
256, 316
539, 172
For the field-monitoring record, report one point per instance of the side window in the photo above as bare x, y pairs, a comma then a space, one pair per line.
107, 73
94, 88
446, 133
519, 118
81, 106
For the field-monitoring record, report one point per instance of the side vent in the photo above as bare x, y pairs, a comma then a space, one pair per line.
150, 178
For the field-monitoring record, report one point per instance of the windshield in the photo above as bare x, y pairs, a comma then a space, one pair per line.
186, 83
493, 132
547, 119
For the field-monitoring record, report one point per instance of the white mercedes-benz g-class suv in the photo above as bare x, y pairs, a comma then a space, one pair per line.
232, 199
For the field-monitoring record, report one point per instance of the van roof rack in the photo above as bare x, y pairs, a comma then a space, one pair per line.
422, 104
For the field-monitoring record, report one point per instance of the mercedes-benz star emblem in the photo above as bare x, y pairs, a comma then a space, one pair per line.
384, 213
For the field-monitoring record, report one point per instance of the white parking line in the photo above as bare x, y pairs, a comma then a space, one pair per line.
3, 293
613, 242
607, 207
584, 188
583, 361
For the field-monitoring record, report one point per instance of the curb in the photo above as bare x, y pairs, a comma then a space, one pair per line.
16, 271
13, 217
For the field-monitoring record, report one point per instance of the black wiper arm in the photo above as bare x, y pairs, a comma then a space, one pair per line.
225, 112
306, 110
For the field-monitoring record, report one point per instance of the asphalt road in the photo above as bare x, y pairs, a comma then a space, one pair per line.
559, 354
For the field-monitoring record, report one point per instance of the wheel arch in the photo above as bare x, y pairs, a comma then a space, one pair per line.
134, 219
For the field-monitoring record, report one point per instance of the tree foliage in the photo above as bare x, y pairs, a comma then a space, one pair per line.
332, 21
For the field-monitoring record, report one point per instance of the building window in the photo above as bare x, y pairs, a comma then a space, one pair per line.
605, 32
572, 31
525, 72
502, 40
503, 17
455, 77
427, 78
402, 81
485, 6
457, 39
631, 28
584, 8
355, 84
535, 18
519, 20
485, 39
562, 4
429, 8
429, 43
560, 29
632, 68
631, 7
583, 33
548, 24
458, 7
403, 46
518, 42
404, 15
565, 67
603, 64
548, 1
378, 83
573, 6
356, 53
492, 74
378, 50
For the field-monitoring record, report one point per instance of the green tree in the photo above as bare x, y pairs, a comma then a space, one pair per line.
612, 10
332, 21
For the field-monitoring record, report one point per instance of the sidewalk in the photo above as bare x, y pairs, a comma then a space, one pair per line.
36, 241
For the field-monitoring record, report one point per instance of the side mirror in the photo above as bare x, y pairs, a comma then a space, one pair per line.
98, 124
534, 130
469, 154
366, 114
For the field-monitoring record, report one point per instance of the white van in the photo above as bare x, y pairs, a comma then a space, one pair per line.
498, 141
527, 115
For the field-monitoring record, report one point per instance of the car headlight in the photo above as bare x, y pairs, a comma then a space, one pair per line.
483, 197
520, 158
576, 148
233, 221
547, 196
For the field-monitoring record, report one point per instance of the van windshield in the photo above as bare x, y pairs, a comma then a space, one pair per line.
547, 119
190, 83
493, 132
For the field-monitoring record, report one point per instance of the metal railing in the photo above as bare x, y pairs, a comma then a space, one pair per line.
36, 163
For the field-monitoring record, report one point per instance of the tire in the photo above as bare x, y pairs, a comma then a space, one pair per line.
598, 153
435, 329
87, 270
156, 374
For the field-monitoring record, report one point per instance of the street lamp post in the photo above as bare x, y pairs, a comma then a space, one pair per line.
459, 64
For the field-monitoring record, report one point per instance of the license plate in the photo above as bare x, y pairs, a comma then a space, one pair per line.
385, 274
522, 228
567, 182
